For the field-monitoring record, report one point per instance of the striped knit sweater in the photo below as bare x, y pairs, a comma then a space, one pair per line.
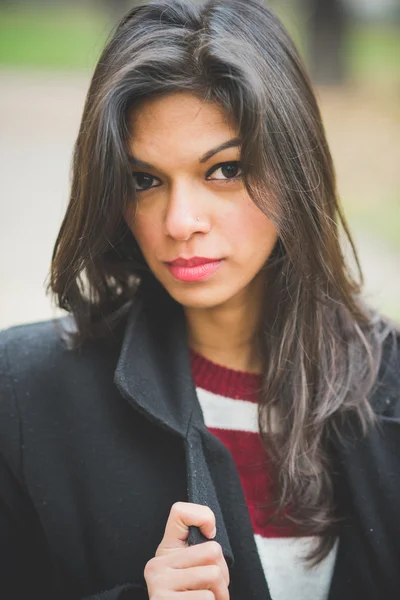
228, 400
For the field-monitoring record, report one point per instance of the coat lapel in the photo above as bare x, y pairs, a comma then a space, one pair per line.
153, 373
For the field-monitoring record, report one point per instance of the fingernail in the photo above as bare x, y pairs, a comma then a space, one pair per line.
214, 532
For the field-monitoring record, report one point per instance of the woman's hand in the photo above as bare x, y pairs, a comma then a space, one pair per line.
188, 572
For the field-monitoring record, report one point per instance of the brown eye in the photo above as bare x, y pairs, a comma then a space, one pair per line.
229, 170
143, 181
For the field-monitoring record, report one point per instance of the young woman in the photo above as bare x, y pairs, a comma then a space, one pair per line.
219, 415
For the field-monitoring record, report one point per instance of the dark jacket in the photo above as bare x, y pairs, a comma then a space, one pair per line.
97, 444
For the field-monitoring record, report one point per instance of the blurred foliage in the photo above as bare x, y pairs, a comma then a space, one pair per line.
373, 53
60, 37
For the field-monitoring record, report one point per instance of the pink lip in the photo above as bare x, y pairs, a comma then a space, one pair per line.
193, 269
191, 262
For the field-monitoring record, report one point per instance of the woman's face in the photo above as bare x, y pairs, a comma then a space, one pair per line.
192, 203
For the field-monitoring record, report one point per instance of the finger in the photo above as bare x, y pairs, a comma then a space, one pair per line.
194, 595
207, 577
181, 517
208, 553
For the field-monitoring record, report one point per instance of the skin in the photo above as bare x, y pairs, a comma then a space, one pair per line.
177, 567
191, 212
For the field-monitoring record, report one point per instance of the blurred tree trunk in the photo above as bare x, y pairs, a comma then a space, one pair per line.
327, 29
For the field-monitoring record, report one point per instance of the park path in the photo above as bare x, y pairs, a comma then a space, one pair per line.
39, 118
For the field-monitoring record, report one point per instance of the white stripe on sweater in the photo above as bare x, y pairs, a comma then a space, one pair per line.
227, 413
288, 576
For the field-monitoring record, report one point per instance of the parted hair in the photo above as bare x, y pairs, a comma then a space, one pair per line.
320, 345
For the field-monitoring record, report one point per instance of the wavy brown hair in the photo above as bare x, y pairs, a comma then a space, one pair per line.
320, 346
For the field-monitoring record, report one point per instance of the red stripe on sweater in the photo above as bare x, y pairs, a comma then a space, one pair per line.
255, 475
229, 383
246, 447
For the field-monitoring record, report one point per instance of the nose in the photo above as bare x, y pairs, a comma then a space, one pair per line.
185, 214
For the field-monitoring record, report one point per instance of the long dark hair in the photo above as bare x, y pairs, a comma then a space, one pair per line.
321, 347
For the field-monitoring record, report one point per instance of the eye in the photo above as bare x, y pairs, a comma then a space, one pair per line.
229, 171
143, 181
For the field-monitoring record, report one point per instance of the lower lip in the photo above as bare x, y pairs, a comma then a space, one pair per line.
194, 273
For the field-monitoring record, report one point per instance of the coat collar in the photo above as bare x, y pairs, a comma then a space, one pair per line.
153, 373
153, 369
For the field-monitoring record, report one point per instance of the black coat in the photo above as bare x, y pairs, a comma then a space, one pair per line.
96, 445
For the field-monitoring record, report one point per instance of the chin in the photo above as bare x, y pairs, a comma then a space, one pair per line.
195, 297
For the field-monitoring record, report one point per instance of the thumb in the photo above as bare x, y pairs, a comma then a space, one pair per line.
182, 516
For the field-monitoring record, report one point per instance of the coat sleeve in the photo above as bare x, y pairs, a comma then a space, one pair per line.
26, 570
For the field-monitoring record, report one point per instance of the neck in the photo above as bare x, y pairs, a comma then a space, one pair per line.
225, 334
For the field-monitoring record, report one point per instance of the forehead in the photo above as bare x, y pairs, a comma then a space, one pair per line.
178, 120
175, 108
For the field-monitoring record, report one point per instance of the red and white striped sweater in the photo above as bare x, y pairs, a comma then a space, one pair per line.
228, 399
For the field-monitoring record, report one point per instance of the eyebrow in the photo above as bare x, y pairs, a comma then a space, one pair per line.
229, 144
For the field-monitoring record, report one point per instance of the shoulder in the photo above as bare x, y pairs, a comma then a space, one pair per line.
45, 382
44, 350
34, 354
27, 353
30, 344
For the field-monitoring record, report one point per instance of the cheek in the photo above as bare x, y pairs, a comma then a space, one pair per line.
249, 228
143, 228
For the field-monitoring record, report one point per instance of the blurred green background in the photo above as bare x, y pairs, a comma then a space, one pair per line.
48, 51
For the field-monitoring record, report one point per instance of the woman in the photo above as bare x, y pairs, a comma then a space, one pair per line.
218, 367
